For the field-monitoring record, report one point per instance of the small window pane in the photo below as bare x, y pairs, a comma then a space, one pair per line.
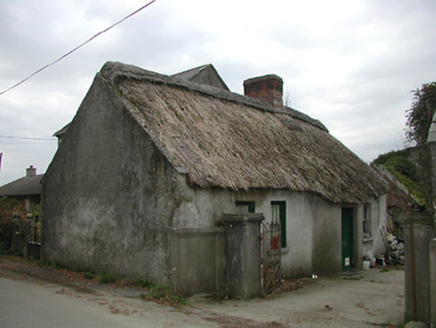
244, 207
278, 213
366, 222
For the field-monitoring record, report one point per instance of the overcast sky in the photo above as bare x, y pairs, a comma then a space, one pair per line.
350, 64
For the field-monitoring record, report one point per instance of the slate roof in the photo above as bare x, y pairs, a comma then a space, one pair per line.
206, 75
27, 186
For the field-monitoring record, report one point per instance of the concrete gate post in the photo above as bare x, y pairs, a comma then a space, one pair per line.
27, 234
243, 259
432, 273
417, 279
17, 242
431, 143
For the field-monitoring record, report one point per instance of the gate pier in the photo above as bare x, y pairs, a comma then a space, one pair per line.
243, 259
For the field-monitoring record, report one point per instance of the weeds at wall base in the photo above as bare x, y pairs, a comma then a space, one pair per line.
158, 293
89, 275
144, 283
163, 294
107, 277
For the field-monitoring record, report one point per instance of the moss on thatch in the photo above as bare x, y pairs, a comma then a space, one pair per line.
234, 142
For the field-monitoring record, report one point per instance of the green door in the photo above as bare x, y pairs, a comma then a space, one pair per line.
347, 238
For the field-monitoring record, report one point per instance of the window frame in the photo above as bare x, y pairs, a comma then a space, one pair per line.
283, 221
251, 205
366, 222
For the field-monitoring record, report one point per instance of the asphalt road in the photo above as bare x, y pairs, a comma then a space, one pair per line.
37, 297
29, 305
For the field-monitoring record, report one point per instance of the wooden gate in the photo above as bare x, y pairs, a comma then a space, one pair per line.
271, 256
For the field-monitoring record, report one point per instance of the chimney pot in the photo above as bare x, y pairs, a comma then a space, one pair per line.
267, 87
30, 171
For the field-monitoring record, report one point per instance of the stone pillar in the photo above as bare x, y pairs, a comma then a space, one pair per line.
243, 258
432, 274
17, 241
417, 279
431, 143
28, 234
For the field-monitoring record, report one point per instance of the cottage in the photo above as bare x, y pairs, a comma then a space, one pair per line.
151, 163
26, 189
20, 224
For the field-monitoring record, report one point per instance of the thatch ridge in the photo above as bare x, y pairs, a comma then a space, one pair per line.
223, 143
116, 72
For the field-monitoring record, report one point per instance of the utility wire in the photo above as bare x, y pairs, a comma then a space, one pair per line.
28, 138
76, 48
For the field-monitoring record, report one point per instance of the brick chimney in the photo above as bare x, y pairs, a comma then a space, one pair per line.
30, 171
268, 88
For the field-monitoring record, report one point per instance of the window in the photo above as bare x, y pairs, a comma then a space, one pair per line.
366, 222
278, 213
244, 207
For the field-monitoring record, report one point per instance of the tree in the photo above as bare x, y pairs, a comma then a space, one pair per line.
419, 119
420, 114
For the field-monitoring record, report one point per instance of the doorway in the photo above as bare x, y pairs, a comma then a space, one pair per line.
347, 238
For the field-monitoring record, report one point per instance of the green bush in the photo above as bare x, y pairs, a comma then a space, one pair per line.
402, 165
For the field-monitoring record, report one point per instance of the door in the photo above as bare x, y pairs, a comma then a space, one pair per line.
347, 238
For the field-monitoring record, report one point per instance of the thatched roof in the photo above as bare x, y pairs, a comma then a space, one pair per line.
225, 140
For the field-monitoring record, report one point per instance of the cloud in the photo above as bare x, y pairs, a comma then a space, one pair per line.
350, 64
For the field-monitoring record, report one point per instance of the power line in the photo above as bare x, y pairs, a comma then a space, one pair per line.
76, 48
28, 138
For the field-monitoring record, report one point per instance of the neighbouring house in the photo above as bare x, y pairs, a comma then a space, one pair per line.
20, 205
26, 190
151, 163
